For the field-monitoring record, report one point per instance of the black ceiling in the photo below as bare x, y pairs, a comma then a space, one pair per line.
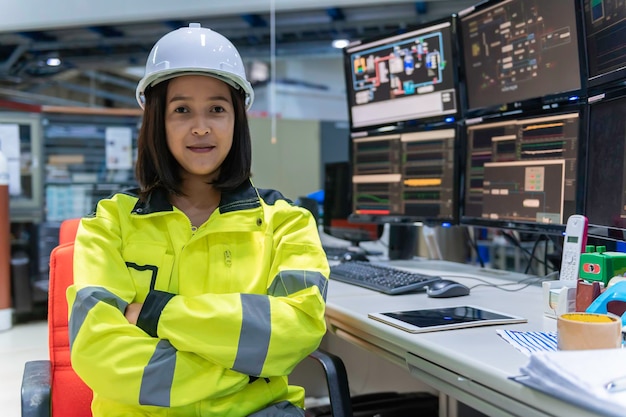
94, 58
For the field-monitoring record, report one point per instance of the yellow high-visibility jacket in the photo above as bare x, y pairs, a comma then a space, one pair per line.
230, 308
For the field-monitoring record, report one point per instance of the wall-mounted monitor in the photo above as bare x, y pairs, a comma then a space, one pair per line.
520, 54
523, 173
404, 79
407, 177
605, 188
20, 142
605, 33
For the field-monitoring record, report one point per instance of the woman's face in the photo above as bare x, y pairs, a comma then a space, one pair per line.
199, 124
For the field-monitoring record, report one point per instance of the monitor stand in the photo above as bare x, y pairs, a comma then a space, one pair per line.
353, 235
402, 241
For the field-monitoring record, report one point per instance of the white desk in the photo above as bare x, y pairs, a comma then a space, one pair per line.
469, 365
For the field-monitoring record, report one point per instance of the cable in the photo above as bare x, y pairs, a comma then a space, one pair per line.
524, 282
532, 254
474, 245
516, 243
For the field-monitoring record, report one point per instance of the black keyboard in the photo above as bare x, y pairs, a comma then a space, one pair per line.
381, 278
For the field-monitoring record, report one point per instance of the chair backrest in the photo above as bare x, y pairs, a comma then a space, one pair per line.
70, 396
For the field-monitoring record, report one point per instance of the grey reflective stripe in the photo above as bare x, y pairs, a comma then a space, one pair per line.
86, 299
254, 339
289, 282
156, 383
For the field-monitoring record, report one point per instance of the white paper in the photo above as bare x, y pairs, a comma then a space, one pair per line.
579, 376
118, 147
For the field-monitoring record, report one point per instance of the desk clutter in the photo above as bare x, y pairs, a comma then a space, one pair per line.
583, 362
595, 380
530, 342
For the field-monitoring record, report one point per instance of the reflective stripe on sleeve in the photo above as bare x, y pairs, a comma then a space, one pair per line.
254, 338
289, 282
156, 383
86, 299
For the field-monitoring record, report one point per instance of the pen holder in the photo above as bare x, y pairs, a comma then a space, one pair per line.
586, 293
559, 297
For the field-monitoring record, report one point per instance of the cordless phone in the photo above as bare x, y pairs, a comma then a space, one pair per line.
574, 244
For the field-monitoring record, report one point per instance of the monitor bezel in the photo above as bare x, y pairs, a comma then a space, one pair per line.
615, 77
406, 124
601, 231
552, 101
533, 227
352, 234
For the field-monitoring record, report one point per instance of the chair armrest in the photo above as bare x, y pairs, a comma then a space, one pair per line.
36, 385
337, 380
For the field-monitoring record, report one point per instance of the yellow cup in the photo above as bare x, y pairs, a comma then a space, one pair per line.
579, 331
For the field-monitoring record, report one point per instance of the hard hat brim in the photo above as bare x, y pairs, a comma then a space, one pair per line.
224, 76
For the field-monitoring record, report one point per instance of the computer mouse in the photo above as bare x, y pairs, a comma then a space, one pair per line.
349, 256
446, 288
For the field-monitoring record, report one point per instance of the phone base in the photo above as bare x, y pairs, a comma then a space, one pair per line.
559, 297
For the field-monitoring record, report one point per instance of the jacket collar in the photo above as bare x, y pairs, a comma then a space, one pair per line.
243, 197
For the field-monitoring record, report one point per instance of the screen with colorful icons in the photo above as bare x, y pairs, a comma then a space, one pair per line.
519, 50
523, 173
403, 79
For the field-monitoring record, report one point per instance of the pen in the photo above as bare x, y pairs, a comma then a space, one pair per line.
616, 385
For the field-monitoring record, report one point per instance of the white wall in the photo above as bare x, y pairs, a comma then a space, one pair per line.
292, 164
293, 101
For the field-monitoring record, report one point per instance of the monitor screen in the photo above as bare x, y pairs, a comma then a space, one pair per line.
605, 32
606, 173
523, 173
519, 54
403, 79
407, 177
337, 207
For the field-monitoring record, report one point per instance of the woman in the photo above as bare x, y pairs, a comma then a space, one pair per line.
196, 294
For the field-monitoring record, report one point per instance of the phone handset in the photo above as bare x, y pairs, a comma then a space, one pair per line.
574, 243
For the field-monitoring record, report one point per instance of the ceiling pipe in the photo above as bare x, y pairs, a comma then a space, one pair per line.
97, 92
5, 67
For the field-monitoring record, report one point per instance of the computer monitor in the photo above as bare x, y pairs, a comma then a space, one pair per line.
605, 186
403, 79
520, 54
337, 207
407, 177
523, 173
605, 34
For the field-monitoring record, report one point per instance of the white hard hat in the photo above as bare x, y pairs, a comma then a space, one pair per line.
194, 50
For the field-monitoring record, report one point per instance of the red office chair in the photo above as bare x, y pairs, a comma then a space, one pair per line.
52, 388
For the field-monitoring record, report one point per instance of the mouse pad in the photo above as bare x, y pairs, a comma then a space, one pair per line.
444, 318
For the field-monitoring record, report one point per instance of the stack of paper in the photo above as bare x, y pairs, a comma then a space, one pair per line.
580, 377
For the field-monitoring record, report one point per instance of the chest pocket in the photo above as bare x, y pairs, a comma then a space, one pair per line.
149, 266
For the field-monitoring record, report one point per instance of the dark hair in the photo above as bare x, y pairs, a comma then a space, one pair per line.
156, 167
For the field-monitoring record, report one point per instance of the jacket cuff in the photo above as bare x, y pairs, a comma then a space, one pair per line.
150, 313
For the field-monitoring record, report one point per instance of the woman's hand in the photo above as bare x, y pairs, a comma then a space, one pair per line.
132, 312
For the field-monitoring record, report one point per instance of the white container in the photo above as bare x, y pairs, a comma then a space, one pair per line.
6, 319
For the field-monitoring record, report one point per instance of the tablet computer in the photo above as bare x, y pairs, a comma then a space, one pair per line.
444, 318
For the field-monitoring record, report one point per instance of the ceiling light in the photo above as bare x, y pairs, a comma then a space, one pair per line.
340, 43
53, 62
